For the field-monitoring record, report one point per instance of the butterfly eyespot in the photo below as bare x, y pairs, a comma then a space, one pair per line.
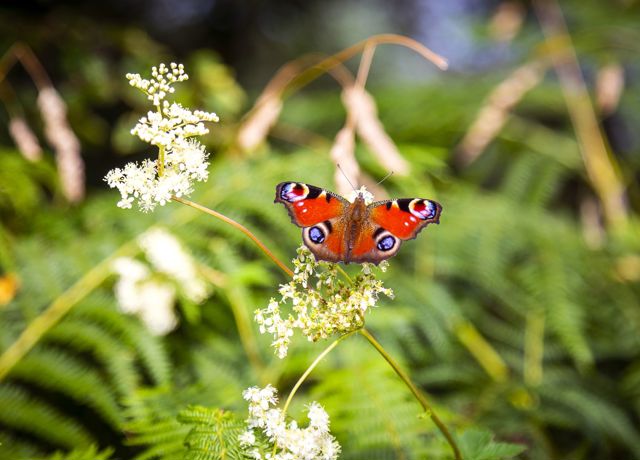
316, 235
293, 192
387, 243
423, 209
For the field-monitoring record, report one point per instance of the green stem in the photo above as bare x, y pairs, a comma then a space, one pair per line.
416, 393
161, 155
304, 376
238, 226
58, 308
312, 367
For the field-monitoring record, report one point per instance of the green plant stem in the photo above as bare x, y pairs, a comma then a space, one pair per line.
58, 308
238, 226
416, 393
161, 155
315, 362
304, 376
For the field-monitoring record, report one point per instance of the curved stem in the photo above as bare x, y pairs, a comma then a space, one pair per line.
416, 392
58, 308
238, 226
330, 62
315, 362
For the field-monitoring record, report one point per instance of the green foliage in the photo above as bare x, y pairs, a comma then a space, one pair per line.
90, 453
518, 314
213, 434
479, 445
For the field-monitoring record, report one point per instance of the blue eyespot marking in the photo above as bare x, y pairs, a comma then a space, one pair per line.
316, 235
387, 243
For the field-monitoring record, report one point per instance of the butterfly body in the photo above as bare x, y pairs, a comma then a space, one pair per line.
336, 230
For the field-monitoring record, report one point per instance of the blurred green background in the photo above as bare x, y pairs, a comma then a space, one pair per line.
518, 314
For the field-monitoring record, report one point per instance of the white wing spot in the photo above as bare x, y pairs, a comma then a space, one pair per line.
304, 210
412, 219
406, 224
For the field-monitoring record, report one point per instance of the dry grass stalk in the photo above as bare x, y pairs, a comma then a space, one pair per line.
343, 154
264, 114
362, 107
507, 21
25, 139
609, 88
64, 142
256, 127
495, 112
601, 167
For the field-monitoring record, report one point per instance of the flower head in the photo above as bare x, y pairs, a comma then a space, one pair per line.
182, 160
321, 304
363, 192
268, 431
151, 291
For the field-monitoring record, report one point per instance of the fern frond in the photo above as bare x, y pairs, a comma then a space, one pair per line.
214, 434
26, 414
61, 372
91, 453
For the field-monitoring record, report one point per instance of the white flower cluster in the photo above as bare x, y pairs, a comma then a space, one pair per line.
362, 191
150, 292
291, 442
172, 125
171, 128
163, 78
322, 304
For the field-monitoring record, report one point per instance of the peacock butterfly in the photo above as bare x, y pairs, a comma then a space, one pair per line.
339, 231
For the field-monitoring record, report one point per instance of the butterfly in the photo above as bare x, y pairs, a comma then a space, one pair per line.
337, 230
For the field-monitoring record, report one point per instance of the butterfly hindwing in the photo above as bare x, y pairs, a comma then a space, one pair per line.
320, 214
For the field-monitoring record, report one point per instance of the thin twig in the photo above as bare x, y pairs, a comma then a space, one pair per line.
238, 226
313, 365
416, 392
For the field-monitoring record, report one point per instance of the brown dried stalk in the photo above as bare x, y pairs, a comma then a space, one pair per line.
25, 139
495, 112
54, 113
602, 169
65, 143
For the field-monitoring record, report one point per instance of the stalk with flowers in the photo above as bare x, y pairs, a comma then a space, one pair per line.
322, 304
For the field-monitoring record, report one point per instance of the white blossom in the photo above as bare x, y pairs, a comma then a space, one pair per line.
172, 128
320, 303
363, 192
268, 431
137, 293
150, 290
167, 256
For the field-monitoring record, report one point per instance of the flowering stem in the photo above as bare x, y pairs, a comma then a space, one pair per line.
240, 227
311, 368
416, 392
161, 160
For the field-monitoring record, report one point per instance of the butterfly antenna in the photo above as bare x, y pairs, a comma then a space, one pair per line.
385, 178
346, 177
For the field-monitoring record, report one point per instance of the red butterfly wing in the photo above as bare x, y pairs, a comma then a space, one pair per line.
405, 217
320, 214
309, 205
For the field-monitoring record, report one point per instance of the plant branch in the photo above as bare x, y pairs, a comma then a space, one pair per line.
416, 392
238, 226
313, 365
